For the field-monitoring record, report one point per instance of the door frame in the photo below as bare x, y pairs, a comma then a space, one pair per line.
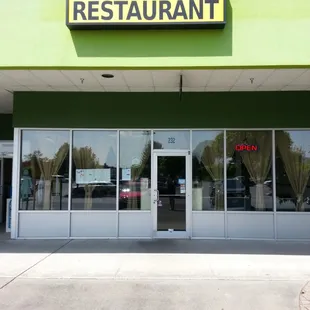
1, 189
3, 203
188, 185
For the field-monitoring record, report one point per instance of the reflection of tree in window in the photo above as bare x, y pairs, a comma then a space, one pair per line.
297, 170
142, 169
85, 158
49, 169
212, 159
31, 164
208, 170
250, 166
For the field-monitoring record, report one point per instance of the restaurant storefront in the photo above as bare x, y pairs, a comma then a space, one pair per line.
100, 179
167, 119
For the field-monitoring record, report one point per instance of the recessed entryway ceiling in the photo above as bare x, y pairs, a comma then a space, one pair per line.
150, 81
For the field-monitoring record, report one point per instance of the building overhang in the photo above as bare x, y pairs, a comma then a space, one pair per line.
149, 81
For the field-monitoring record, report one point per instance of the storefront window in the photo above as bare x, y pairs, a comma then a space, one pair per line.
249, 171
208, 170
172, 139
293, 171
94, 170
44, 170
135, 170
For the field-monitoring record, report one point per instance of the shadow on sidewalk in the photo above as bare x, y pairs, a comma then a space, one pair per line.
159, 246
3, 234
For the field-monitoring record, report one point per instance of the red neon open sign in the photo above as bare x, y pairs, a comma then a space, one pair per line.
246, 147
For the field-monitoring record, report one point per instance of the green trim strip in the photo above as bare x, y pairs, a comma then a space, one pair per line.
162, 110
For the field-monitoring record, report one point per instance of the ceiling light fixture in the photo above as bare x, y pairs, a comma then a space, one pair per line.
107, 76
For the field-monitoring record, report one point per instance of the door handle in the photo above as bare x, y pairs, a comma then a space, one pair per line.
157, 195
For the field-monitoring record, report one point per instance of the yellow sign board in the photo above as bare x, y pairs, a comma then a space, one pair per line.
126, 14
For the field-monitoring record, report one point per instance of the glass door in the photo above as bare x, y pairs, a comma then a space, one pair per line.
171, 194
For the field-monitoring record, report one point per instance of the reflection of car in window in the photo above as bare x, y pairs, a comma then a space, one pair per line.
132, 191
238, 195
285, 192
104, 189
129, 190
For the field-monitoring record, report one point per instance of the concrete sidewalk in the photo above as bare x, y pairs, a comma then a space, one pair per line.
173, 274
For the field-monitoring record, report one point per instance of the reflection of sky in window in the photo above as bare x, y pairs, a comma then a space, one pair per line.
103, 144
301, 139
200, 139
201, 136
47, 142
132, 144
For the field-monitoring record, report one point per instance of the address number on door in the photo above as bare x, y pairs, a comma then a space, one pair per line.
171, 140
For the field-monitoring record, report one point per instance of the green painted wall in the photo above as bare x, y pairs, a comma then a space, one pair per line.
6, 127
258, 33
162, 110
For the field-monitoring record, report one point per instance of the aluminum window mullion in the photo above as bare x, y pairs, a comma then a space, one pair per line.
70, 183
274, 180
117, 181
191, 183
16, 180
225, 186
153, 168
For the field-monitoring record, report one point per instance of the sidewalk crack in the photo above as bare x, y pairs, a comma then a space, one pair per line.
34, 265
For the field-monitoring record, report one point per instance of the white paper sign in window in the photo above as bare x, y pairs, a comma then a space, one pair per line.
93, 176
126, 174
